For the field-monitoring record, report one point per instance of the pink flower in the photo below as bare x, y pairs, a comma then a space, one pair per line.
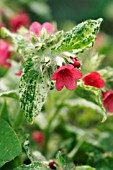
38, 137
108, 101
66, 76
19, 20
36, 28
19, 73
76, 62
93, 79
4, 54
2, 24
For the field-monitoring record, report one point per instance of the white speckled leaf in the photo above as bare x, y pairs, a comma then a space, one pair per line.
34, 87
34, 166
80, 38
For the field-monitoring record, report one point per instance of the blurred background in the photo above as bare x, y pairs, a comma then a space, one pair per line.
63, 11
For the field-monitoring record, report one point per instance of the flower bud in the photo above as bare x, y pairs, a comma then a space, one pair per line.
76, 62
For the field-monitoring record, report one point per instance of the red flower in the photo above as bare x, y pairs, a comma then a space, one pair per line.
19, 20
36, 28
76, 62
66, 76
93, 79
108, 100
19, 73
38, 137
4, 54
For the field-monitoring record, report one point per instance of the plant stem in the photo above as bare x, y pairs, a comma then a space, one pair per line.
48, 129
76, 148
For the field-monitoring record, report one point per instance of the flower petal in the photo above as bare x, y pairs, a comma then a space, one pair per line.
95, 75
70, 84
59, 82
108, 103
76, 74
99, 83
36, 28
49, 27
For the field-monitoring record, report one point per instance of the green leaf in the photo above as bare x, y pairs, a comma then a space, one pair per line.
82, 102
34, 166
85, 167
4, 112
92, 94
9, 143
64, 162
80, 37
12, 94
34, 87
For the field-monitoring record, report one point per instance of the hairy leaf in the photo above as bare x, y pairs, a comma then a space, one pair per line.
92, 94
80, 37
34, 87
34, 166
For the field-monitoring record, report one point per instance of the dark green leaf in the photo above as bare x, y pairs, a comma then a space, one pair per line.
9, 143
4, 112
64, 162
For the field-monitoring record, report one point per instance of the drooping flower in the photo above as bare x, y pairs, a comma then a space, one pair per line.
66, 76
94, 79
18, 73
108, 101
76, 62
4, 54
19, 20
36, 27
38, 137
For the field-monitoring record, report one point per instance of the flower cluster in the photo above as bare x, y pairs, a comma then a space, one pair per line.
67, 76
